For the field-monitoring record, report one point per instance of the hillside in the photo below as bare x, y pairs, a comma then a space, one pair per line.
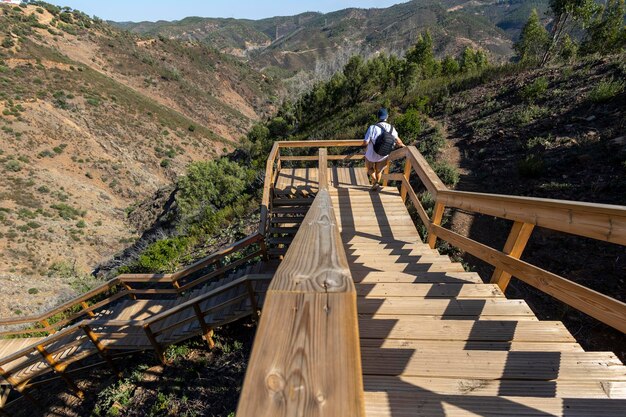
93, 121
310, 41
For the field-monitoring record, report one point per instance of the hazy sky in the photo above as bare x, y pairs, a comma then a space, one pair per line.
137, 10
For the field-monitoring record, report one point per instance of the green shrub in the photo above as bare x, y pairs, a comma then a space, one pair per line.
33, 291
13, 166
67, 212
449, 174
163, 256
606, 90
535, 90
531, 167
409, 125
165, 163
8, 42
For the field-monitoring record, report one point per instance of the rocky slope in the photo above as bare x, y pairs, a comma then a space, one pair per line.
92, 121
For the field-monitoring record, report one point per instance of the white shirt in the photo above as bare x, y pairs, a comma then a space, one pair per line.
372, 133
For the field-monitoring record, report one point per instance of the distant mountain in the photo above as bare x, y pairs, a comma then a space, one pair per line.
305, 41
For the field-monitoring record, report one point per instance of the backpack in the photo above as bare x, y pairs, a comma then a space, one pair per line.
385, 142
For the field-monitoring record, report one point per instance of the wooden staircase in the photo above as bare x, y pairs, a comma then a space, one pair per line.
151, 318
361, 318
433, 339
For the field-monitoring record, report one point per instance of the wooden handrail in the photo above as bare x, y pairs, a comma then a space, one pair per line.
597, 221
306, 357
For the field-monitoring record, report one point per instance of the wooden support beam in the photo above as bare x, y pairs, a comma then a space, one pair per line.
253, 301
46, 325
436, 220
407, 177
158, 349
85, 306
20, 387
129, 289
59, 369
101, 349
207, 332
514, 246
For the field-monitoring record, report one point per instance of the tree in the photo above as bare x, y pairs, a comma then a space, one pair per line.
533, 41
607, 33
450, 66
566, 12
423, 55
472, 59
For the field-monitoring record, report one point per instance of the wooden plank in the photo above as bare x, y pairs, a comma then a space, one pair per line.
439, 345
493, 364
459, 291
304, 363
479, 387
324, 268
369, 277
469, 308
514, 246
598, 221
415, 327
323, 168
437, 217
606, 309
406, 404
320, 143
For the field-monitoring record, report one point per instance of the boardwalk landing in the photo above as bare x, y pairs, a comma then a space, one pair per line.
437, 341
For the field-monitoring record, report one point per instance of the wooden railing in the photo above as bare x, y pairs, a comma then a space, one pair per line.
56, 352
86, 305
274, 164
598, 221
306, 357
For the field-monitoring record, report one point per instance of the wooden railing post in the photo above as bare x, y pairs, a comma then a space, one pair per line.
158, 349
101, 349
436, 220
207, 332
46, 325
85, 306
20, 387
253, 302
322, 169
60, 370
407, 175
514, 246
129, 289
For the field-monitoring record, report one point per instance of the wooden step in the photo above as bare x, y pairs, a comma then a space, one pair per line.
292, 202
401, 325
542, 366
279, 240
406, 404
289, 220
374, 277
479, 387
452, 309
445, 266
438, 345
290, 210
283, 230
458, 291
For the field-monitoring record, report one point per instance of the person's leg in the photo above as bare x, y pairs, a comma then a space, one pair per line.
371, 171
379, 169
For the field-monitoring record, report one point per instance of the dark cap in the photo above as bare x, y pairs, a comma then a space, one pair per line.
383, 114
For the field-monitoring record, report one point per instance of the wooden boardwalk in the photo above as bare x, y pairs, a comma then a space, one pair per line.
436, 340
